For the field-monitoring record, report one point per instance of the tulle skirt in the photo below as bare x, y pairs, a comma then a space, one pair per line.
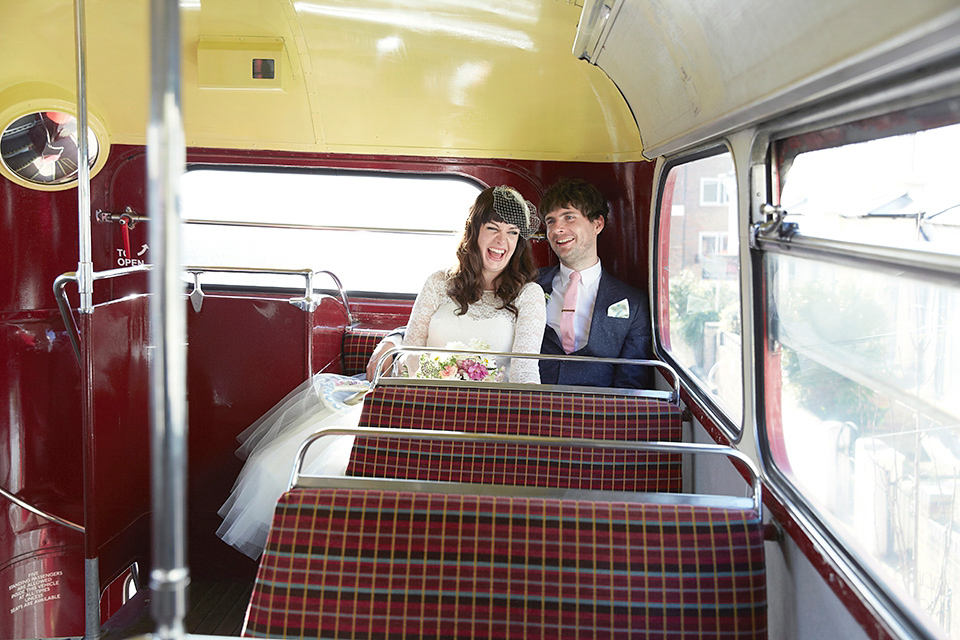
270, 447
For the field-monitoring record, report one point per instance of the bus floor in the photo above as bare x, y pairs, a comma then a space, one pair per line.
213, 608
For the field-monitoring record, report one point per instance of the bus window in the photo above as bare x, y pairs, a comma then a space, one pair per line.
905, 196
700, 275
353, 224
864, 419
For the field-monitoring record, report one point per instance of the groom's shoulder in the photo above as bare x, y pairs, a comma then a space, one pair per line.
609, 282
615, 288
547, 273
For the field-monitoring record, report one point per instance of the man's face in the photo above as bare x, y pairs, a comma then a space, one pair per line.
573, 236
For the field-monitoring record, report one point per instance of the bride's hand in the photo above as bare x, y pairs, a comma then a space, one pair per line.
382, 348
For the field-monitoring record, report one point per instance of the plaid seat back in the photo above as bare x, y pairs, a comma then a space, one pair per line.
358, 346
370, 564
543, 413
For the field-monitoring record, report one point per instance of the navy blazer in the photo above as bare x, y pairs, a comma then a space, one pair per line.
610, 337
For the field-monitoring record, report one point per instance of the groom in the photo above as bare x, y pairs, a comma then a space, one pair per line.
589, 312
601, 316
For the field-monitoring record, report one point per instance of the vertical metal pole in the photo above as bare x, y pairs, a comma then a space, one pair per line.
91, 593
85, 269
166, 158
91, 572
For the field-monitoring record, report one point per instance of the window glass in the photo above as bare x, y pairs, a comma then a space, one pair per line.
700, 268
867, 420
713, 192
906, 191
381, 233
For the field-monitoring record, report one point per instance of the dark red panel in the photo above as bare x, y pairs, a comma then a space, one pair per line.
41, 563
40, 436
42, 583
328, 324
370, 313
118, 456
39, 243
245, 353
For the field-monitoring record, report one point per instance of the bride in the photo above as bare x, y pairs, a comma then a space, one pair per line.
490, 296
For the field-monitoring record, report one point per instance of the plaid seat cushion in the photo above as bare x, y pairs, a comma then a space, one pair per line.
370, 564
541, 413
358, 346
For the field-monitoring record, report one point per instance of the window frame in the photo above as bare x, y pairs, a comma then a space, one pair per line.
731, 429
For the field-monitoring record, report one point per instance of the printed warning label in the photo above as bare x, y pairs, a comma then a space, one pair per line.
34, 589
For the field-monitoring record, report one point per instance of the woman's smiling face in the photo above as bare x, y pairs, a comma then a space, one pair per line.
497, 241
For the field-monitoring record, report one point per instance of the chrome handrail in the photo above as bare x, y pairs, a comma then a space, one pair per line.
307, 302
316, 227
673, 395
58, 284
132, 218
682, 448
343, 295
71, 276
43, 514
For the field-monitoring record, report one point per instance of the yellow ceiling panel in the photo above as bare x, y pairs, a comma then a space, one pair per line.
406, 77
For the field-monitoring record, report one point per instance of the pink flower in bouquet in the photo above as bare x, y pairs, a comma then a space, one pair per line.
449, 371
473, 370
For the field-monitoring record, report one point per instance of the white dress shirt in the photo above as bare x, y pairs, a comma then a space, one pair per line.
586, 299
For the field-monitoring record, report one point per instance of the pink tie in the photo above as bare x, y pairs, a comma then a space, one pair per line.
569, 311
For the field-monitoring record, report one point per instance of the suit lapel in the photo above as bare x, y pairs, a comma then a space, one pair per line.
605, 296
546, 278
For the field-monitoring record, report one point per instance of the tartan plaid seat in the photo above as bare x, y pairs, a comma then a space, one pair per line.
484, 409
358, 346
350, 563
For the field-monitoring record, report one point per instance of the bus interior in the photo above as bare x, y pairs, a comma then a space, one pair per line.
778, 177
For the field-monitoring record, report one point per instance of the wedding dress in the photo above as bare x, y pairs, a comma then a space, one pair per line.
435, 323
270, 444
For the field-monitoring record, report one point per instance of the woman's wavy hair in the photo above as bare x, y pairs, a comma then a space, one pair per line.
466, 284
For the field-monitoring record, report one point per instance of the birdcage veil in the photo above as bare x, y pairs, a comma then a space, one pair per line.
513, 209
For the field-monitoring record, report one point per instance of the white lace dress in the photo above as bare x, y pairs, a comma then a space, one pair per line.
270, 444
435, 323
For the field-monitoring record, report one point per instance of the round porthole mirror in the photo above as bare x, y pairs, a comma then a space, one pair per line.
40, 148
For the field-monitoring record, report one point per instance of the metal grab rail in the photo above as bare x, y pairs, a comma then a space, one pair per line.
306, 303
132, 218
673, 395
779, 235
315, 227
682, 448
71, 276
43, 514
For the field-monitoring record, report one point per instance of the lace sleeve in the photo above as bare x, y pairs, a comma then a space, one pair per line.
426, 304
528, 333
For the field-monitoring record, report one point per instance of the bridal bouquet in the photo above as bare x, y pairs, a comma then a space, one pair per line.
460, 366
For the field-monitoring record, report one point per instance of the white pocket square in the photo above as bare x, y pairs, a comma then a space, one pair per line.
619, 309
